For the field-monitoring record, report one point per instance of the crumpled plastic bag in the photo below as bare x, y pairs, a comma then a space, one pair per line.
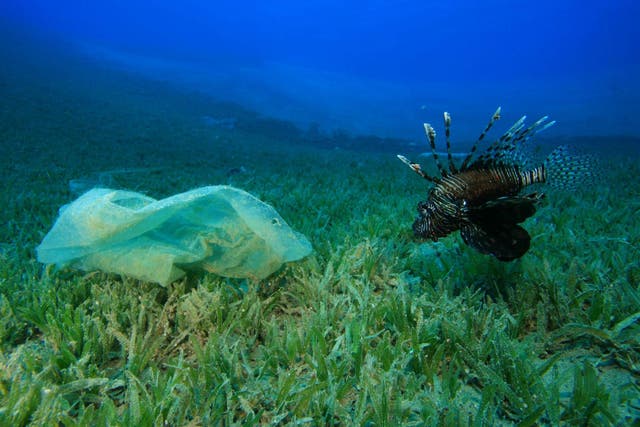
220, 229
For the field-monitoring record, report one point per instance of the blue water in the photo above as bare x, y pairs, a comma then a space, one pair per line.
375, 67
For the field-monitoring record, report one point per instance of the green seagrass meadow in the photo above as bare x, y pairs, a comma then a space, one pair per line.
374, 328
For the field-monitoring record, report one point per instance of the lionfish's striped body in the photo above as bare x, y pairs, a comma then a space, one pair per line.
482, 198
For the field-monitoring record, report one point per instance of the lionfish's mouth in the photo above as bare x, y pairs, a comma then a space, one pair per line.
422, 227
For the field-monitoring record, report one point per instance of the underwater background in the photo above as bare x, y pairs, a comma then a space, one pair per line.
305, 106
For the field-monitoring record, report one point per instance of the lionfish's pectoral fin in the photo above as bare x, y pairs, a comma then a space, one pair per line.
504, 210
506, 242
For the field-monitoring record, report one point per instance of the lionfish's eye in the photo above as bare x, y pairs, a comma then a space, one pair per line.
424, 209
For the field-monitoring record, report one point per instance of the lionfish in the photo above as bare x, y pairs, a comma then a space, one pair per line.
483, 196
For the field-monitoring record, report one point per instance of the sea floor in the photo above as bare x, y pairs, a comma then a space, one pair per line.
374, 328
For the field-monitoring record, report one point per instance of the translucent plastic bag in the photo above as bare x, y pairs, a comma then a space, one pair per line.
220, 229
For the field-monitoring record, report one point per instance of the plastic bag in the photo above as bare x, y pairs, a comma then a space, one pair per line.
220, 229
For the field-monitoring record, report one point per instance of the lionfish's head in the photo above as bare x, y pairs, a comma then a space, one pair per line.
433, 221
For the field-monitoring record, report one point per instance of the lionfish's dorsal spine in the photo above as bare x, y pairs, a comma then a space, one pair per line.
494, 118
506, 150
503, 152
447, 133
417, 169
431, 136
538, 126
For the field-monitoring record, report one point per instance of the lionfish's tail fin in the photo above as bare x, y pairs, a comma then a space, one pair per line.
494, 118
417, 169
566, 170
